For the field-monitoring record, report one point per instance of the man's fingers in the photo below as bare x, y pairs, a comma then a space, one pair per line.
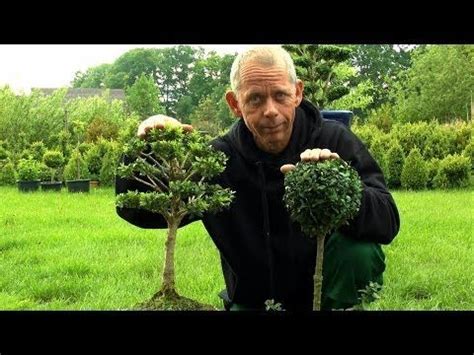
317, 154
325, 154
187, 128
286, 168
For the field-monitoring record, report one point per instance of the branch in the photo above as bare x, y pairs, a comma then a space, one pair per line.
154, 187
161, 183
163, 170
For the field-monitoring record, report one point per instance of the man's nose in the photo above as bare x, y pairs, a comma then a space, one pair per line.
270, 109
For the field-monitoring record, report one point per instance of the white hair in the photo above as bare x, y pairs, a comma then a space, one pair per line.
264, 55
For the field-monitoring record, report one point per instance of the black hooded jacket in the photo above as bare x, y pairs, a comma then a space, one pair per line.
263, 254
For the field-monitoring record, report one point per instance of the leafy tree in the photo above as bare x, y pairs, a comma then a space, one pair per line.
143, 97
380, 64
53, 160
173, 74
93, 77
317, 66
415, 172
438, 85
130, 65
178, 168
321, 197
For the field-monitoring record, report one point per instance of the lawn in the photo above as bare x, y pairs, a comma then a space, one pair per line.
72, 252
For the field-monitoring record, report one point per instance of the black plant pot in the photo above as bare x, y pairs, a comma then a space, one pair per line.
78, 185
51, 186
27, 186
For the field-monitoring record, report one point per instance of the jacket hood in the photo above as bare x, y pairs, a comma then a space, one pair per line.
306, 127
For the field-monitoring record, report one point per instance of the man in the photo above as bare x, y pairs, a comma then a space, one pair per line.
264, 255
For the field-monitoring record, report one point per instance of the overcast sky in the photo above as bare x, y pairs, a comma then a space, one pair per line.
50, 66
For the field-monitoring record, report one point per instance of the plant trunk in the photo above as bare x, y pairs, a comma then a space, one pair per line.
318, 274
168, 270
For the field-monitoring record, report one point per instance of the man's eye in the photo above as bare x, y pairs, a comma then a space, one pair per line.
280, 95
254, 99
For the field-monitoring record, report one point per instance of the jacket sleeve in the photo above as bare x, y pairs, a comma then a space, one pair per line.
139, 217
378, 219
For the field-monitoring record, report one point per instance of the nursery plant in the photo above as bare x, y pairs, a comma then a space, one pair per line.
178, 168
322, 196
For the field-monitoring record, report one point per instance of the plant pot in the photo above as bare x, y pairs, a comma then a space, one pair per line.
27, 186
78, 185
94, 184
51, 186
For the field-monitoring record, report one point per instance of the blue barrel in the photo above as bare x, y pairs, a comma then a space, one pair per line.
338, 115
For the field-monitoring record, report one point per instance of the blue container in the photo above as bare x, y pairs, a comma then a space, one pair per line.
338, 115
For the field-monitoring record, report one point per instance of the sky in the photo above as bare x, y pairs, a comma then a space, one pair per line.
51, 66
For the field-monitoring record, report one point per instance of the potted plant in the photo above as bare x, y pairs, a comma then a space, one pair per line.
321, 197
76, 173
177, 168
53, 160
28, 173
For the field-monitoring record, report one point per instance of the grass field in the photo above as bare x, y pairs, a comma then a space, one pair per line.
71, 251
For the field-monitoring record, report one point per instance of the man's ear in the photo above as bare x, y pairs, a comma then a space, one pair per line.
233, 103
299, 91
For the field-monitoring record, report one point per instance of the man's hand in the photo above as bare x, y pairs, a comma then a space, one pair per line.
311, 155
160, 121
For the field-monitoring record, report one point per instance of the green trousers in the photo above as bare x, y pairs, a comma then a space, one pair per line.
348, 267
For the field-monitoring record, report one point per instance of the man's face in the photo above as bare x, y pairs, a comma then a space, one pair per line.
267, 102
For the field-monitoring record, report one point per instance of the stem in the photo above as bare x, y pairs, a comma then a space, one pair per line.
146, 183
318, 274
163, 171
168, 270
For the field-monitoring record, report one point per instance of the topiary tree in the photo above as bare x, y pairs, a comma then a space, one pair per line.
321, 197
178, 168
7, 173
109, 165
414, 173
394, 160
53, 160
453, 172
76, 168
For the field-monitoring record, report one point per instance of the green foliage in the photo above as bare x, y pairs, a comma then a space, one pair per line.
94, 77
324, 69
76, 168
101, 128
179, 168
212, 116
438, 143
108, 169
395, 159
468, 152
382, 118
7, 173
322, 196
432, 166
438, 85
143, 97
366, 133
54, 160
380, 65
453, 172
270, 305
93, 159
28, 170
412, 135
369, 294
414, 173
379, 148
130, 65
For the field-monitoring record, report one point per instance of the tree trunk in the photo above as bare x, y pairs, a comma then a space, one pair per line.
168, 270
318, 274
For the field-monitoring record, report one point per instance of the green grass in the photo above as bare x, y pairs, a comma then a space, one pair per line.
71, 251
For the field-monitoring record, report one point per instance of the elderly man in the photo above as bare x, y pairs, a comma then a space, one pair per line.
264, 255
